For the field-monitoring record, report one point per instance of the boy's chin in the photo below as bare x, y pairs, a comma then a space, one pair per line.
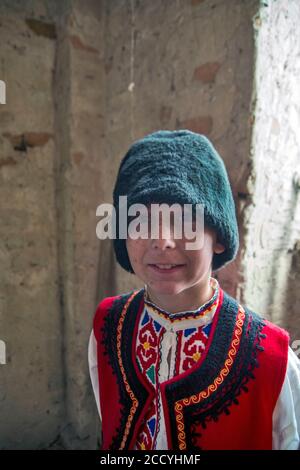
165, 287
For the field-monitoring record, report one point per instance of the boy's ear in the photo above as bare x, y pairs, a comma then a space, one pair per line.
219, 248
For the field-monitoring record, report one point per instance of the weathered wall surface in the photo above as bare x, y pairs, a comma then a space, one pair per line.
273, 218
50, 171
79, 102
84, 80
31, 383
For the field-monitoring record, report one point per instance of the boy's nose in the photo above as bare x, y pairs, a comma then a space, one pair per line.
163, 236
163, 243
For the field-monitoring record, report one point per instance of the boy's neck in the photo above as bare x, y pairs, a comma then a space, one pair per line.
189, 299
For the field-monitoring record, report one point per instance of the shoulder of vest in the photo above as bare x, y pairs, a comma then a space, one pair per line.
105, 306
274, 336
276, 328
270, 329
100, 312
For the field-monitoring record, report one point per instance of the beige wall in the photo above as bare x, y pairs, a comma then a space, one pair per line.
32, 381
51, 173
85, 79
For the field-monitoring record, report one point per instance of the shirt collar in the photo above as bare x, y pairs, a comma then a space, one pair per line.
202, 315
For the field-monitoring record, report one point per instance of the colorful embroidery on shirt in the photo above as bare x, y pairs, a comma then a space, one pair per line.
190, 345
188, 315
193, 343
147, 346
146, 436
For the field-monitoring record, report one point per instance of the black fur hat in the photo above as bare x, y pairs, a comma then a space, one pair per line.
179, 167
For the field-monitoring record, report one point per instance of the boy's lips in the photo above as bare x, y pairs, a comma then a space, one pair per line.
165, 268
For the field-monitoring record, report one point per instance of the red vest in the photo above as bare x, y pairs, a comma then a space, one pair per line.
225, 401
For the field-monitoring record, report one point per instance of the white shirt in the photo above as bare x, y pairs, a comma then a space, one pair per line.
286, 414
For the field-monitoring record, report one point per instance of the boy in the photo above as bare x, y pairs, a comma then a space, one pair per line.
180, 364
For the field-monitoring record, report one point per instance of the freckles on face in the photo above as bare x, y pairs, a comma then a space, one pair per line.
141, 252
136, 251
201, 258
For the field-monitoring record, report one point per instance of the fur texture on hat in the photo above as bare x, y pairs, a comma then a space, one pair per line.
178, 167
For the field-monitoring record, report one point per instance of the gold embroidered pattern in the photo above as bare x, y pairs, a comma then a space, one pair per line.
128, 389
175, 318
212, 387
201, 314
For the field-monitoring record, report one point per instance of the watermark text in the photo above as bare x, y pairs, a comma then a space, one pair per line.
2, 92
140, 221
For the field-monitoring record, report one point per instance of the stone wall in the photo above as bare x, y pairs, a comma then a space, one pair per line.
84, 80
272, 220
51, 173
32, 382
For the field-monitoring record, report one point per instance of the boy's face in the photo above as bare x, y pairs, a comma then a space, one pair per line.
149, 257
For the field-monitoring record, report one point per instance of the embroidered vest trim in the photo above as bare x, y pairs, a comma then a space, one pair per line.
221, 375
199, 395
135, 392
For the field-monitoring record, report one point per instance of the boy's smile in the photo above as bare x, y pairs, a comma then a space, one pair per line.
177, 279
166, 268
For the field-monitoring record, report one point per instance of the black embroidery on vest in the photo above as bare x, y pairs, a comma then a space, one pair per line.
242, 370
110, 349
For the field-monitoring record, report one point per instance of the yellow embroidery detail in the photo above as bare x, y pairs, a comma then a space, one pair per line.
213, 387
196, 356
128, 389
205, 312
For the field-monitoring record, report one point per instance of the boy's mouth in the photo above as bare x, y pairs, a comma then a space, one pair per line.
166, 268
